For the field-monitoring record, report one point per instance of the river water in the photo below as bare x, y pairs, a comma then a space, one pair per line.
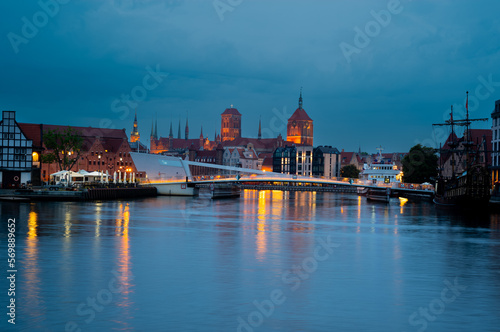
268, 261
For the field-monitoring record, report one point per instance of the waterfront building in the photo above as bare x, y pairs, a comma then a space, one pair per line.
16, 155
285, 160
102, 150
304, 160
326, 162
495, 142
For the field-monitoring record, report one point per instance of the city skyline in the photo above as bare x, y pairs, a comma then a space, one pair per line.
373, 73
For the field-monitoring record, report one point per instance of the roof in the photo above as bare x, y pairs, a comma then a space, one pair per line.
299, 114
346, 157
263, 144
111, 139
33, 132
328, 149
231, 111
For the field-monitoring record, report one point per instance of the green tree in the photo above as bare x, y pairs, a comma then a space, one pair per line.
420, 165
62, 147
349, 171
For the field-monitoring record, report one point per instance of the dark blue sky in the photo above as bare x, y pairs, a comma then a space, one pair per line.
384, 86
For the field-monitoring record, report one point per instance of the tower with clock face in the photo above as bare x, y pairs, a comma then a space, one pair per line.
300, 126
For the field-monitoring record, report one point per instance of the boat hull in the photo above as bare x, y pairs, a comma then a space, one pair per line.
175, 189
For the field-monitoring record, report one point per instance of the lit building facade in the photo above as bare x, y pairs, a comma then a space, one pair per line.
299, 129
134, 135
102, 150
230, 124
495, 142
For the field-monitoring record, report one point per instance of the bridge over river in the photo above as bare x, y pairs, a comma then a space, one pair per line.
174, 176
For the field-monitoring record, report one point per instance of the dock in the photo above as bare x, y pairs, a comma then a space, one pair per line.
91, 194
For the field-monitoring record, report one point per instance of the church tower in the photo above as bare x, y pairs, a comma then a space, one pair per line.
230, 124
134, 135
300, 126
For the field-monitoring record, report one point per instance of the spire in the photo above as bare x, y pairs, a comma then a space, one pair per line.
134, 135
300, 98
179, 131
171, 134
215, 135
156, 127
260, 130
186, 131
201, 133
152, 128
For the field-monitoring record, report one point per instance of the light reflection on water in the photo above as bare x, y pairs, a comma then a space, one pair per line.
198, 264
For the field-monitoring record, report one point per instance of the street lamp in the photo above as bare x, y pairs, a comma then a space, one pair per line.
99, 162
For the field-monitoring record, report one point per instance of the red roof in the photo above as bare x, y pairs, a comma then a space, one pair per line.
232, 111
111, 139
33, 132
300, 114
263, 144
346, 157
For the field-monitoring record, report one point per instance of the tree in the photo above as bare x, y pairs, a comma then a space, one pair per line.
349, 171
420, 165
63, 147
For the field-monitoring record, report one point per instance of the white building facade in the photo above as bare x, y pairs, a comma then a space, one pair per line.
15, 153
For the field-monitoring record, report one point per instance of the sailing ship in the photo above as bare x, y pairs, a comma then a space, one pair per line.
468, 185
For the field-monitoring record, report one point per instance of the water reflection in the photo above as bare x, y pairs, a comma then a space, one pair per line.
31, 268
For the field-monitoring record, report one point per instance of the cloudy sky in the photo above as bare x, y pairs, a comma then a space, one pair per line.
373, 72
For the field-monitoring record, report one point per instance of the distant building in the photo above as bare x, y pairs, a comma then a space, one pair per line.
230, 124
242, 157
326, 162
16, 158
495, 142
134, 135
300, 126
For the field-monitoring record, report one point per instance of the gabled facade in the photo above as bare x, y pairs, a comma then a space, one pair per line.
15, 153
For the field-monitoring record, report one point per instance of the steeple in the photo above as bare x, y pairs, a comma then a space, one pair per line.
259, 136
300, 98
152, 128
156, 127
186, 131
134, 135
201, 133
179, 131
171, 134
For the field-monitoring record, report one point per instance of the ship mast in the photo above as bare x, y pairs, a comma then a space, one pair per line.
467, 134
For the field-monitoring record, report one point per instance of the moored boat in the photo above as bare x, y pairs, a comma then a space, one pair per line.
468, 185
379, 194
225, 191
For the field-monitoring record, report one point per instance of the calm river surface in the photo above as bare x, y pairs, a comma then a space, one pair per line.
268, 261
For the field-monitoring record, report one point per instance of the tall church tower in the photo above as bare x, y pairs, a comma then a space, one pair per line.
230, 124
134, 135
300, 126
